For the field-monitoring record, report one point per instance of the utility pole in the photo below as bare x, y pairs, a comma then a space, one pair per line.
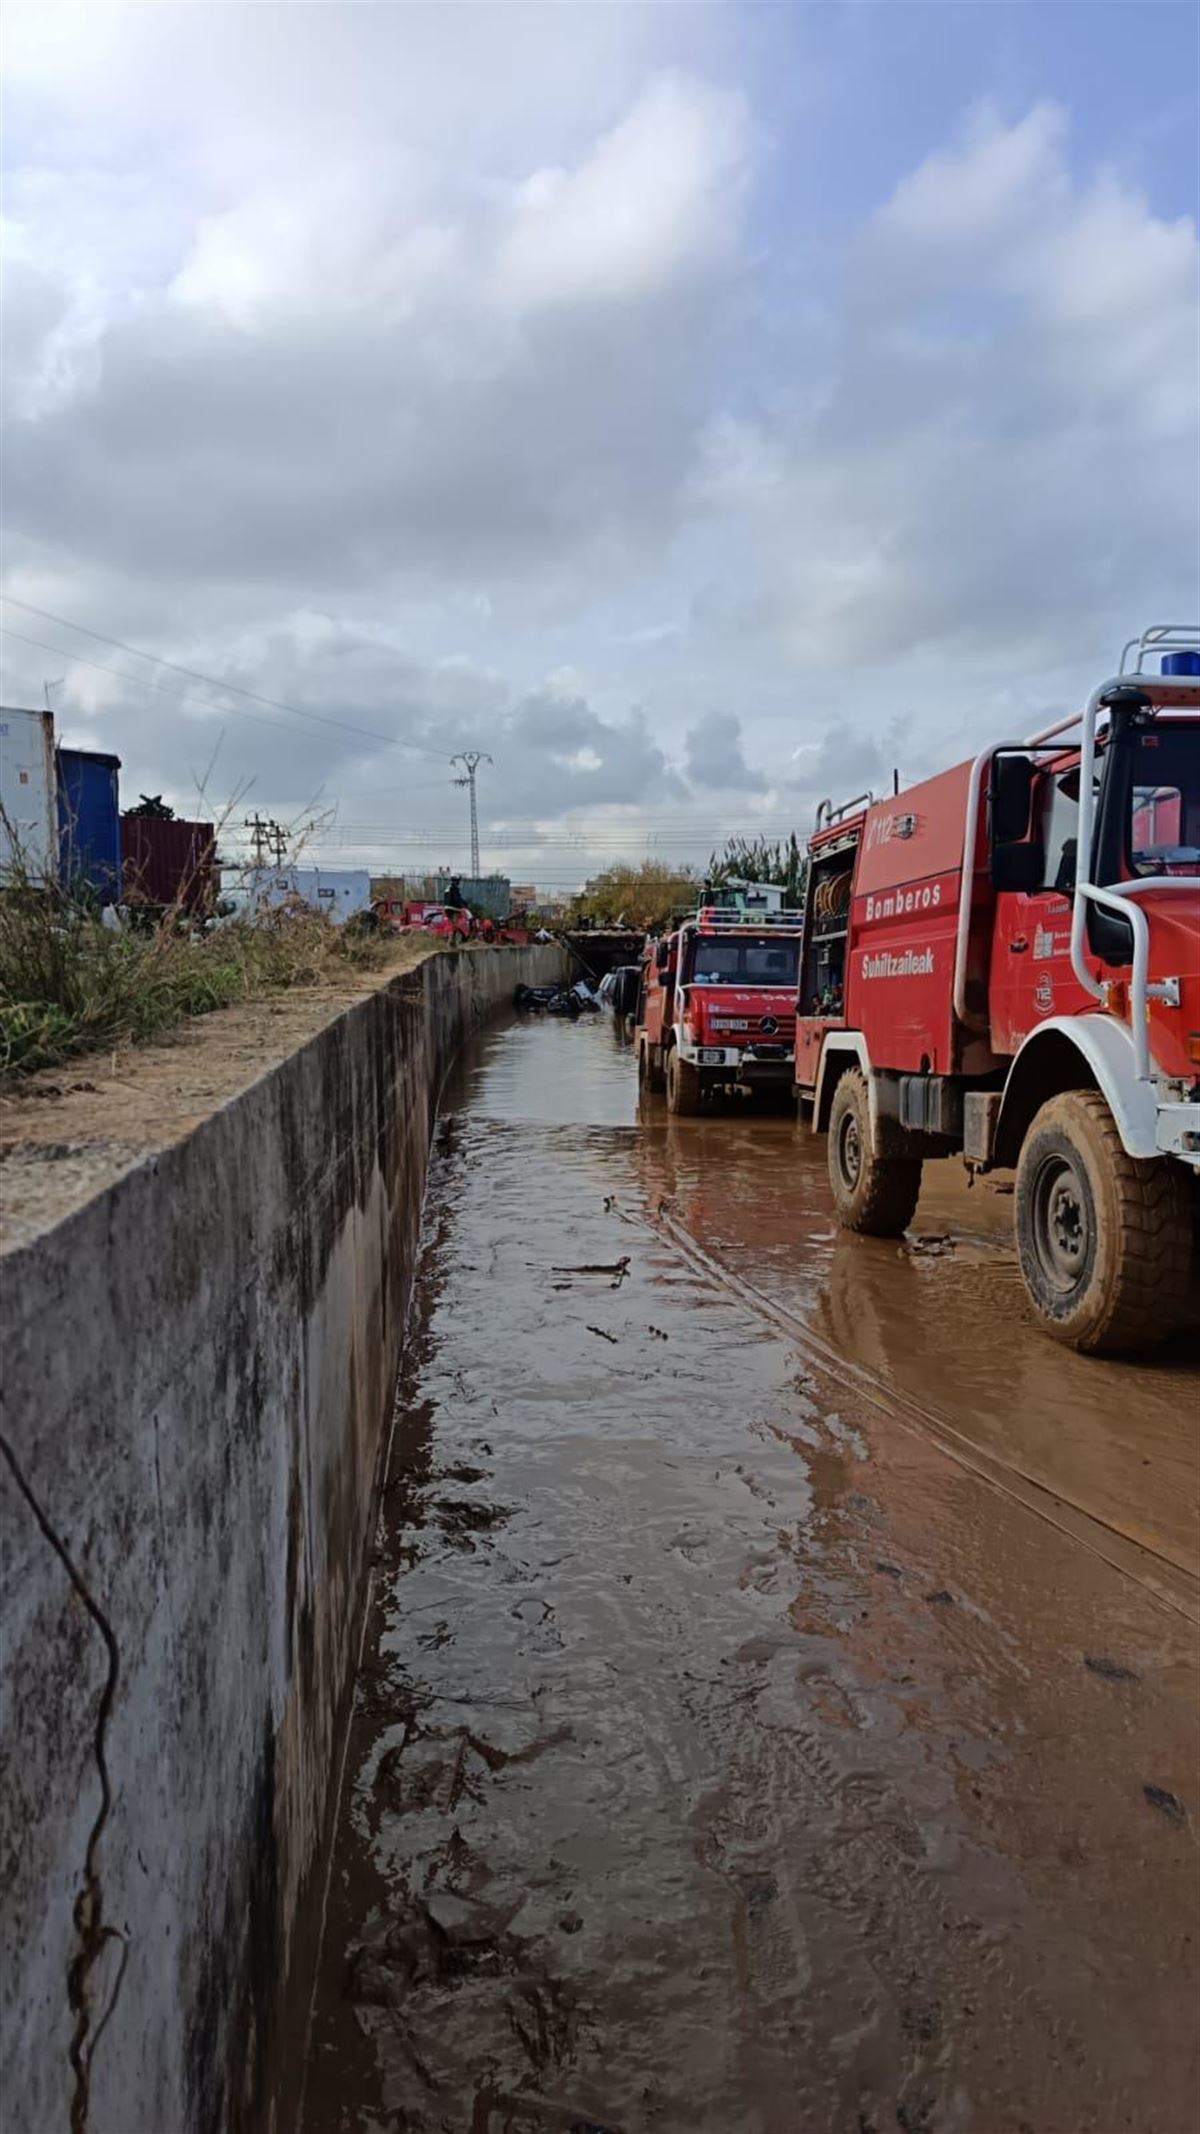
471, 758
267, 835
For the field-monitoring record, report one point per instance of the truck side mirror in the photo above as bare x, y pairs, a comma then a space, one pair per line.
1011, 798
1018, 861
1019, 865
662, 956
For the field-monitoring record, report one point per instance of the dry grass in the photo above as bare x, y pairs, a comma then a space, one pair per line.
69, 985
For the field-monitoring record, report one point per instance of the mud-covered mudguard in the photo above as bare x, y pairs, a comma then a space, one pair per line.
839, 1048
1105, 1045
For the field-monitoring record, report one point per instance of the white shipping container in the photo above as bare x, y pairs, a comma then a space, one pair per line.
28, 794
337, 892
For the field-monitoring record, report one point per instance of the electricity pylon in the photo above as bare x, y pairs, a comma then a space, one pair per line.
471, 758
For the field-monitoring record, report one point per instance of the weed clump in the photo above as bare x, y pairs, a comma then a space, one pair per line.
71, 983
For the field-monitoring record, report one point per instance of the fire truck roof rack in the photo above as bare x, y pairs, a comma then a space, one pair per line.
1161, 640
827, 814
714, 915
1178, 642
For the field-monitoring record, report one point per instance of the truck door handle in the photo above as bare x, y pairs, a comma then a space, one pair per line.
1018, 945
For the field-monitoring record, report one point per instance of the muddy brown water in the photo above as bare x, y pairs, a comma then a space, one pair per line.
777, 1712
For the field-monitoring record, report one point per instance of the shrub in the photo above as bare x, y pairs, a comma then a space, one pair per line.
70, 984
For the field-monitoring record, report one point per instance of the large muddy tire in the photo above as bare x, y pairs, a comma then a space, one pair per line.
1104, 1239
683, 1086
876, 1195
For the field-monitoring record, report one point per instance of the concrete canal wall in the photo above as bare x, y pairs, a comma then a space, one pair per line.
198, 1370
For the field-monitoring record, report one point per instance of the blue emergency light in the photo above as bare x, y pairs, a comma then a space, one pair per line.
1181, 663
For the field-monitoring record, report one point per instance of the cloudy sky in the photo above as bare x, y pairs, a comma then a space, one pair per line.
701, 409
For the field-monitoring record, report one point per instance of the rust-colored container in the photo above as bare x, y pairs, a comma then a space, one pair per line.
168, 863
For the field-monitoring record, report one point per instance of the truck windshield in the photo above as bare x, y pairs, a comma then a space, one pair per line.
743, 959
1164, 822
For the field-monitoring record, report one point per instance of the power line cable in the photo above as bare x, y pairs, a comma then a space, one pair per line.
514, 842
386, 836
137, 681
210, 681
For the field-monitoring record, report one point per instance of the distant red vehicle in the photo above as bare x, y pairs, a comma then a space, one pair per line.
502, 933
451, 921
717, 1006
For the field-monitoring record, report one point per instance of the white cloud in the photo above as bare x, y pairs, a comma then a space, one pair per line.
999, 460
367, 369
658, 196
993, 186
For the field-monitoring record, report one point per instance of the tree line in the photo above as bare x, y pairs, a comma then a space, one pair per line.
649, 895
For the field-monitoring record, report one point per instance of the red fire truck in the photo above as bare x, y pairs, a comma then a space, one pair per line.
717, 1004
1005, 962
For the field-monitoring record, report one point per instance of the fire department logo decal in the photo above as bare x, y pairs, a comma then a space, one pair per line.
769, 1024
1043, 994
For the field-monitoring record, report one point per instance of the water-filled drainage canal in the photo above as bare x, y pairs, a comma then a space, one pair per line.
744, 1740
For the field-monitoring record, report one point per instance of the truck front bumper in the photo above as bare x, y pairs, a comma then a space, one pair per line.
769, 1063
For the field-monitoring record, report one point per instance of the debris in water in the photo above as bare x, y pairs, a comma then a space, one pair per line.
915, 2116
464, 1921
1170, 1803
923, 2022
596, 1267
570, 1923
930, 1246
891, 1570
603, 1336
459, 1516
1099, 1664
619, 1268
571, 1001
940, 1598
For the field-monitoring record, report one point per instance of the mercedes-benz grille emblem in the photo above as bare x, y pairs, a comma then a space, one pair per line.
770, 1024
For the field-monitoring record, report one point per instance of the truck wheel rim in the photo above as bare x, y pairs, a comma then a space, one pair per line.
1060, 1222
850, 1150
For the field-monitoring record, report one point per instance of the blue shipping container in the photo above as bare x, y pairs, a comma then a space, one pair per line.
89, 824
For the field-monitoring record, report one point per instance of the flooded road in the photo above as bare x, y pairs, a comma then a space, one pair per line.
778, 1702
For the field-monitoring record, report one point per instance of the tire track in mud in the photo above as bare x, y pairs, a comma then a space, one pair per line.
908, 1917
933, 1977
1166, 1581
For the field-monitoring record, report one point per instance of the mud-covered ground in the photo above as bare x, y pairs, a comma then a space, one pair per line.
777, 1712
